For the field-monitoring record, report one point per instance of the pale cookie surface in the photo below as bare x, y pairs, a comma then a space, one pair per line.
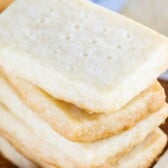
76, 125
13, 155
30, 128
80, 53
144, 154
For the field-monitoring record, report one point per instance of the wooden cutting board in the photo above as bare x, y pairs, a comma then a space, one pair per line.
4, 163
4, 4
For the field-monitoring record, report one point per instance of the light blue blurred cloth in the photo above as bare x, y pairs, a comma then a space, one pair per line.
115, 5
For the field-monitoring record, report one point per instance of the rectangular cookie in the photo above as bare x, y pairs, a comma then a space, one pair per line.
77, 125
38, 141
80, 53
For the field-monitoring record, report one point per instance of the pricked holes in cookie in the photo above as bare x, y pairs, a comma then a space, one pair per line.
67, 37
85, 55
132, 48
94, 41
109, 58
104, 30
128, 35
77, 27
42, 20
119, 47
55, 52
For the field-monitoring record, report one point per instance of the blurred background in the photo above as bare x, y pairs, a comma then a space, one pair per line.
115, 5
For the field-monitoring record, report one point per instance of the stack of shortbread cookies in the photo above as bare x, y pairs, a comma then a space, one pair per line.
78, 87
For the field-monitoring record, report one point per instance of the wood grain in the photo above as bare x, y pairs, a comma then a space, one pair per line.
4, 4
4, 163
